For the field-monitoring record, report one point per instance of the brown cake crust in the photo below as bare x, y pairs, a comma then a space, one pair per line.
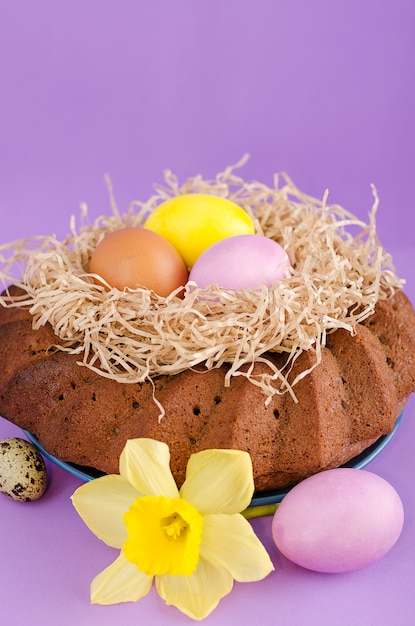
350, 399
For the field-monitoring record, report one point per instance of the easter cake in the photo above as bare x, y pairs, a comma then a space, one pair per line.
304, 368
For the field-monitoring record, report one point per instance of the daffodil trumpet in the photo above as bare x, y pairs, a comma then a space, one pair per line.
193, 542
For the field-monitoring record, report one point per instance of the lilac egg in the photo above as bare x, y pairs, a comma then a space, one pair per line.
241, 262
338, 520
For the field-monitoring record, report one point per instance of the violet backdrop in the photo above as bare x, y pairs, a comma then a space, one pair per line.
321, 89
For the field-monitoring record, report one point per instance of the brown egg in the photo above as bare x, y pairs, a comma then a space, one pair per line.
137, 257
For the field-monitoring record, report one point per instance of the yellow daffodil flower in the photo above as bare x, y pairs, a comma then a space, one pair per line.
193, 542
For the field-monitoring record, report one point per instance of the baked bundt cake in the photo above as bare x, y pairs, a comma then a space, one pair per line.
336, 387
346, 403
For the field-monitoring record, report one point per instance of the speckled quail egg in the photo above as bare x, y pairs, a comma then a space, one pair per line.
22, 470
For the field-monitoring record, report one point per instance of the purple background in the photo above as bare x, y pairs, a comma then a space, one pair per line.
323, 90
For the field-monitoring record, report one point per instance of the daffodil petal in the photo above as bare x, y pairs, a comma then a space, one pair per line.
229, 541
196, 595
145, 464
219, 481
121, 581
101, 503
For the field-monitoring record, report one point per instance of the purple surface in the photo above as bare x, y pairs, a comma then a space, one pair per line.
323, 90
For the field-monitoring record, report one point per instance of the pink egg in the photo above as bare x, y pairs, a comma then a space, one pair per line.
241, 262
338, 520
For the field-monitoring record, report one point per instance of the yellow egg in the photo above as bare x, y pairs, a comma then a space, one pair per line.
193, 222
136, 257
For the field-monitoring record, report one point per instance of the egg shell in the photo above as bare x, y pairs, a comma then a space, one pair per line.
193, 222
338, 520
136, 257
241, 262
22, 470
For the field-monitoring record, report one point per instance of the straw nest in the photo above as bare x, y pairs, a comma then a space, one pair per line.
134, 335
